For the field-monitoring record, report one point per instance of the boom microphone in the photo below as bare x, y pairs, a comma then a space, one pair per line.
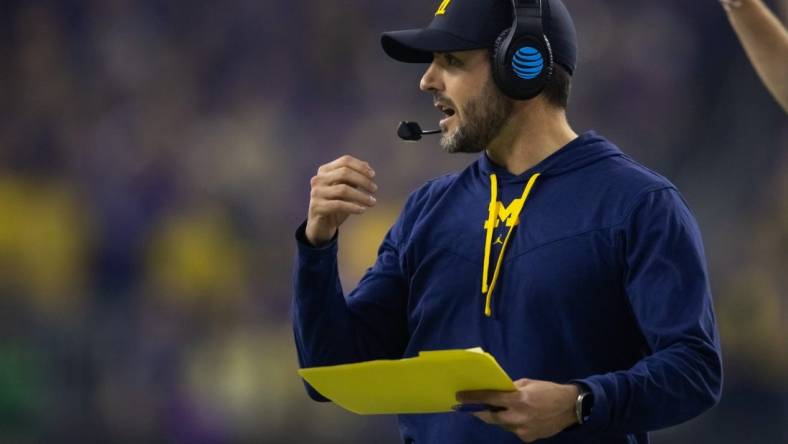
412, 131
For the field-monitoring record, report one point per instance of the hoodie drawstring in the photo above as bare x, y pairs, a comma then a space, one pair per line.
490, 225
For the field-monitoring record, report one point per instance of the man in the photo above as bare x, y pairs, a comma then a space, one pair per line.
581, 271
765, 40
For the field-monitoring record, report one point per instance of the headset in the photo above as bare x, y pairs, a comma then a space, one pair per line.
522, 57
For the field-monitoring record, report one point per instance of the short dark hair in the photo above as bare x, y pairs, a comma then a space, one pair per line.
556, 92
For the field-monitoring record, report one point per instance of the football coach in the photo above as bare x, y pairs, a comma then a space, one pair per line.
580, 270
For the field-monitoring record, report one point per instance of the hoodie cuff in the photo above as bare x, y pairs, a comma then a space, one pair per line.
307, 250
600, 412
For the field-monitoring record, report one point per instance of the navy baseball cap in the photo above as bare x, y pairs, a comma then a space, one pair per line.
461, 25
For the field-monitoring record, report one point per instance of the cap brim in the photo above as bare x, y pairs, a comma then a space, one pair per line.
418, 45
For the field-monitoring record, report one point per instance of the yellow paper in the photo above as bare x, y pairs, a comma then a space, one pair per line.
424, 384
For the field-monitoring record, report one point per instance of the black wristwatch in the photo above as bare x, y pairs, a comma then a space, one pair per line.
584, 403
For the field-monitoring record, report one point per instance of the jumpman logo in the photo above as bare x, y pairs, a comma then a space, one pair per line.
498, 241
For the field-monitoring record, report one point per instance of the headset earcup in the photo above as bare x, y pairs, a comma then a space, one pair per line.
522, 65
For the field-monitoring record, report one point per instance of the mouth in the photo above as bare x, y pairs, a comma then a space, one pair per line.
447, 111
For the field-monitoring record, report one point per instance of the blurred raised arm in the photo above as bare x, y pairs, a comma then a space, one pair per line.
765, 40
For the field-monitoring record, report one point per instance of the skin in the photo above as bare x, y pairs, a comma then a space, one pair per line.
532, 131
536, 410
765, 40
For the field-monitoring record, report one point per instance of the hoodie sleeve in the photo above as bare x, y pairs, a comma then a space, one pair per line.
369, 324
667, 286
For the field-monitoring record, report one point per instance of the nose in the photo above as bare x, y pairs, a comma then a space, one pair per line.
431, 80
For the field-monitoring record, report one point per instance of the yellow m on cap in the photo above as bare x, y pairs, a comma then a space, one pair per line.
442, 8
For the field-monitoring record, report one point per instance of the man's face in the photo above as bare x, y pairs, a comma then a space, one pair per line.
463, 89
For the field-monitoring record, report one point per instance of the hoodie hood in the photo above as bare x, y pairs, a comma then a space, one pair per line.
586, 149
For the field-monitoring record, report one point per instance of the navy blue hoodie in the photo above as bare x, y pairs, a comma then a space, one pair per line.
603, 282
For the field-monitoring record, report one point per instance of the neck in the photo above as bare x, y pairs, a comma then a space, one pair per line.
534, 132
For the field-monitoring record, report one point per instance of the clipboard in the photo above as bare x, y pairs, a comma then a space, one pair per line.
427, 383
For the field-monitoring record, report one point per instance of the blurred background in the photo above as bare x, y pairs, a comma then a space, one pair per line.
155, 158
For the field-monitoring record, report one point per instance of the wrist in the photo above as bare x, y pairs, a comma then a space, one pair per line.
570, 418
316, 237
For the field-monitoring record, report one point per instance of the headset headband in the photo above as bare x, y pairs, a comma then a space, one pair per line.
527, 16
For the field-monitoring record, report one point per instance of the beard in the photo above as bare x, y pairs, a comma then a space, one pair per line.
485, 116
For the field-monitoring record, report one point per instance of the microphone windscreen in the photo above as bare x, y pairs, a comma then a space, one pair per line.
409, 131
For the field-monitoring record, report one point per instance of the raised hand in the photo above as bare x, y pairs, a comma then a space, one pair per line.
340, 188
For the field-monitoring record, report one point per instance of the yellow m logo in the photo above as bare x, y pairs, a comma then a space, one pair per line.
506, 214
442, 8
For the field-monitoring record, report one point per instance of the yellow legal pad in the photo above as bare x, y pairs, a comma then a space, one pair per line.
427, 383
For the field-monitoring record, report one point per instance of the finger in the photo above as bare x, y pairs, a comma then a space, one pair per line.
348, 176
520, 383
501, 417
328, 207
350, 162
485, 416
344, 193
494, 419
491, 397
507, 418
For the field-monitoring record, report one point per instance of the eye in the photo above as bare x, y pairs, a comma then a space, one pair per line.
451, 60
